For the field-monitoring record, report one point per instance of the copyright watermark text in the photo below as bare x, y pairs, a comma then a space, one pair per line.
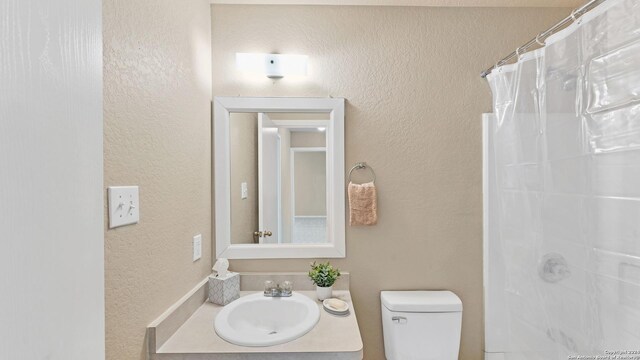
609, 355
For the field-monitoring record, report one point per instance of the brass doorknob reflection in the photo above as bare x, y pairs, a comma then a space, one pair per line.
262, 233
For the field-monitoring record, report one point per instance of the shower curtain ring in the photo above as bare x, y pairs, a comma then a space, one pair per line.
541, 43
518, 53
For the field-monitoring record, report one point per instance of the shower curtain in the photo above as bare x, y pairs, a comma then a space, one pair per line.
566, 145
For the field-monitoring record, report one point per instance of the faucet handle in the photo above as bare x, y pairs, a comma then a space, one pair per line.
287, 288
268, 287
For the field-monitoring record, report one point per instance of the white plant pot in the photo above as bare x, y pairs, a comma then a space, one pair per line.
324, 292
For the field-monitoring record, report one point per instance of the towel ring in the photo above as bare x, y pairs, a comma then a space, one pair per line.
360, 166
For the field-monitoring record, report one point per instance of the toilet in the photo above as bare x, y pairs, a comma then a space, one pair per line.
421, 325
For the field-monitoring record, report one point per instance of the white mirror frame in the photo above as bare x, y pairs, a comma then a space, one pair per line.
335, 246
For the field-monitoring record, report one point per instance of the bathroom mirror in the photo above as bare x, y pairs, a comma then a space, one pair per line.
279, 170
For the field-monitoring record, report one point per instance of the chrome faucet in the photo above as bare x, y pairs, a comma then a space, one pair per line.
278, 291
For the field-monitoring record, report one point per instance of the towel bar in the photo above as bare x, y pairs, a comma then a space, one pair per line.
360, 166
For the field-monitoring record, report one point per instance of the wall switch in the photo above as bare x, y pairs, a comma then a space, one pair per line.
197, 247
124, 205
244, 191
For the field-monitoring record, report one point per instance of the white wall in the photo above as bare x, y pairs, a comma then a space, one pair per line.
51, 224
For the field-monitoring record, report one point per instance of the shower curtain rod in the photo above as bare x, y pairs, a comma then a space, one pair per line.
539, 40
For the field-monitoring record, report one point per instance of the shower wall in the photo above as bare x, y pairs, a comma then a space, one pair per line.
564, 218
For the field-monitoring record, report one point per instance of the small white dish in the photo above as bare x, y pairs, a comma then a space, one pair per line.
336, 306
346, 313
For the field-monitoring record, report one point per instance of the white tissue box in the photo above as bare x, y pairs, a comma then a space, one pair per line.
224, 290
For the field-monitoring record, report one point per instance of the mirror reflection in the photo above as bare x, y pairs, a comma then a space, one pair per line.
278, 178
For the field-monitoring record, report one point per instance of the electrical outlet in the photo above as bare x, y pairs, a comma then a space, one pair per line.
197, 247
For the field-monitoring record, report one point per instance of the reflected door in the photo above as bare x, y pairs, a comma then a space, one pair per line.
269, 188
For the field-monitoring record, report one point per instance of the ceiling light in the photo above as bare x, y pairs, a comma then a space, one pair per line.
274, 66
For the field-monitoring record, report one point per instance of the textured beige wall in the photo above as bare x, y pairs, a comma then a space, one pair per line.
411, 79
243, 148
439, 3
157, 134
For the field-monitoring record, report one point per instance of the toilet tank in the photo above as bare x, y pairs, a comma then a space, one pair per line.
421, 325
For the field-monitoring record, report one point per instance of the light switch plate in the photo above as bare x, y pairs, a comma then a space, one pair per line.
197, 247
124, 206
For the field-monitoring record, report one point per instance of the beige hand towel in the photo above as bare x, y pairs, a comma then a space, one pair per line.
363, 204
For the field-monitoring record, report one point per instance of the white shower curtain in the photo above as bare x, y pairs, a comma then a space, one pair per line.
566, 140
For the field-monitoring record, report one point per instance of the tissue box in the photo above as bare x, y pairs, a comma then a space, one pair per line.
224, 290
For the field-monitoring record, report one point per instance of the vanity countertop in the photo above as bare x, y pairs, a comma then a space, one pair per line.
334, 337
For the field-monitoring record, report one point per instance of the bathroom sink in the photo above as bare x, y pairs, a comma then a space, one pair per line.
256, 320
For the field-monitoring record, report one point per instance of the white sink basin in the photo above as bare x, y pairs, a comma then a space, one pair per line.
257, 320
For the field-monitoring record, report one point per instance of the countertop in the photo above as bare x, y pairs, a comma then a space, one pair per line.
334, 337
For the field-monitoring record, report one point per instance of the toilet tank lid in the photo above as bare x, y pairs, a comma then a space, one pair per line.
421, 301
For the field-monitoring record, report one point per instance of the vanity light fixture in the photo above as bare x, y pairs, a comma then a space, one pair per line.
274, 66
322, 129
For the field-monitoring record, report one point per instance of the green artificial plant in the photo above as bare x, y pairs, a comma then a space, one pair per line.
323, 274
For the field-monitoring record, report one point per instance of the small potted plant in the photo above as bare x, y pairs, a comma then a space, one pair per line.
324, 276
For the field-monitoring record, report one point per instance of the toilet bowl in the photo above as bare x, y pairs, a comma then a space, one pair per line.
421, 325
